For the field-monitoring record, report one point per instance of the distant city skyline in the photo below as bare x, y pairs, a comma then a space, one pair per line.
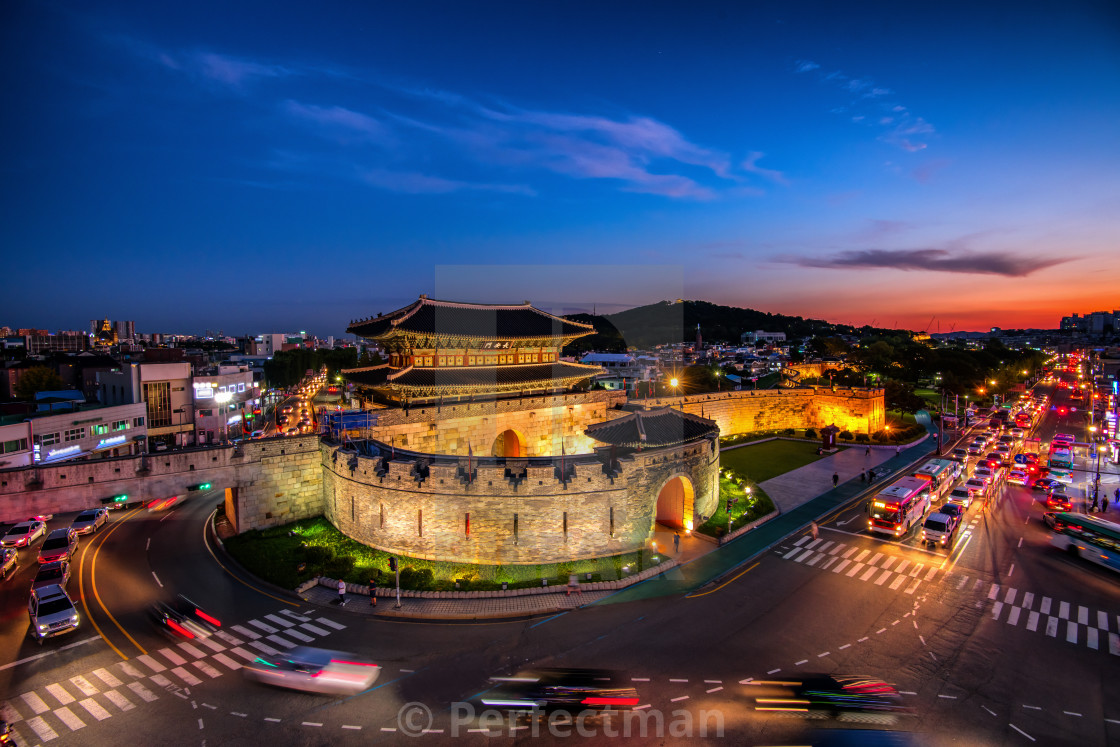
256, 167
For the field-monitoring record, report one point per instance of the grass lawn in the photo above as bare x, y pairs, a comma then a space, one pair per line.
743, 511
278, 555
762, 461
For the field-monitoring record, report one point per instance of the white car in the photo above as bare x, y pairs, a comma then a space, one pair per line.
90, 520
23, 534
52, 613
314, 670
1018, 477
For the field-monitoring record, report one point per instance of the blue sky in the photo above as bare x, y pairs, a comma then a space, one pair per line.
278, 167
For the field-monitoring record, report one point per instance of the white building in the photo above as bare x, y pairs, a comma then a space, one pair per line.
165, 389
223, 400
15, 445
118, 430
766, 338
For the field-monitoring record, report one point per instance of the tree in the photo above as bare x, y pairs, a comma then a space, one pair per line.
899, 395
37, 379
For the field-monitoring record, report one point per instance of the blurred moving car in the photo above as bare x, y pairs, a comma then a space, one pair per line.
56, 573
314, 670
572, 690
8, 561
1050, 519
60, 544
844, 697
23, 534
162, 504
90, 520
183, 619
52, 613
1044, 483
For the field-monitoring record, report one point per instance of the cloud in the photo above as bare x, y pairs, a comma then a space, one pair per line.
338, 120
750, 165
1007, 264
232, 72
413, 182
805, 66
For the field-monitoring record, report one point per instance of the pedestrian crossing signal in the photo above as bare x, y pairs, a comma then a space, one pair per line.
200, 486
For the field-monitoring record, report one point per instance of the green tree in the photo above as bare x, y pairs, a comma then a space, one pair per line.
37, 379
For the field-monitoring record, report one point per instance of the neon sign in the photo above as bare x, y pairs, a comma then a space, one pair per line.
107, 442
65, 451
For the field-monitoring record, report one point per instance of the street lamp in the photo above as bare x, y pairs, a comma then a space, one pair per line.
222, 398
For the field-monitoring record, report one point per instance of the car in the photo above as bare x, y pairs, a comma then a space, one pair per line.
962, 496
41, 517
314, 670
956, 510
959, 455
572, 690
985, 473
1050, 519
52, 613
840, 696
977, 485
60, 544
975, 449
286, 409
8, 562
162, 504
56, 574
1057, 500
90, 520
256, 434
1029, 457
292, 431
1019, 477
938, 529
1005, 455
1017, 434
183, 619
1044, 483
23, 534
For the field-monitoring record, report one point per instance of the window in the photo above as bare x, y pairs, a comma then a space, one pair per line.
157, 395
19, 444
76, 434
443, 360
100, 429
472, 360
138, 422
48, 439
120, 425
240, 388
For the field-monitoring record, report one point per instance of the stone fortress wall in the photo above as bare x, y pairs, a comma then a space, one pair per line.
432, 511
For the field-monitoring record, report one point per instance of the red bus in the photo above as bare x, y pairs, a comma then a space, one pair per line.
900, 506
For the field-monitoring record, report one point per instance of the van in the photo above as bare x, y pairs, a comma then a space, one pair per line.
938, 529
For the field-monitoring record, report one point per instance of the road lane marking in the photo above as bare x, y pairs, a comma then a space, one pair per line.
1016, 728
690, 596
107, 677
1063, 610
1045, 608
1071, 632
42, 729
902, 566
885, 575
816, 559
1114, 644
263, 626
871, 571
1010, 596
1028, 600
828, 562
994, 591
278, 640
263, 647
1091, 641
211, 644
152, 664
840, 566
989, 710
60, 694
186, 676
859, 558
246, 632
157, 579
922, 639
675, 700
210, 550
145, 694
774, 671
913, 585
228, 662
932, 572
947, 697
1102, 620
1033, 708
678, 680
1072, 713
898, 581
118, 700
714, 690
861, 640
855, 569
996, 609
68, 717
799, 663
964, 581
314, 629
191, 650
209, 670
802, 541
1032, 622
846, 645
172, 657
338, 626
1083, 615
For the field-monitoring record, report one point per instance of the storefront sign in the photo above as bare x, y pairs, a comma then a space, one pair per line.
105, 443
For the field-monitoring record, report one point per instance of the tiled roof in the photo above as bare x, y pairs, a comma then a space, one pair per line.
646, 429
483, 378
372, 376
480, 321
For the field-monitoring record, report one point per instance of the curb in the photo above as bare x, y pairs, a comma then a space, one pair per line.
233, 562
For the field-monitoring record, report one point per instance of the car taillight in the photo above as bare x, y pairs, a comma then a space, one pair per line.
208, 618
609, 701
353, 663
179, 629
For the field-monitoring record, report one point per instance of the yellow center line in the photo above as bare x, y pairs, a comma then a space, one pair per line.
93, 580
85, 605
725, 583
209, 520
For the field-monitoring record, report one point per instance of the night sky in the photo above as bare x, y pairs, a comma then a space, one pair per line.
265, 166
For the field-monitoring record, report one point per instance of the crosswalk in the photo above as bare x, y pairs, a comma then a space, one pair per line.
1076, 624
69, 705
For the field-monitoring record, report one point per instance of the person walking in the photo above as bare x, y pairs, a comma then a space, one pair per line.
677, 543
835, 479
868, 452
897, 450
341, 593
814, 530
863, 477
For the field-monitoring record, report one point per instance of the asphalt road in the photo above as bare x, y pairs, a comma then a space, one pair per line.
1000, 640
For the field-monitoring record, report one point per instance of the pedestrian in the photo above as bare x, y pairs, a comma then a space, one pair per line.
1117, 494
1104, 504
372, 593
341, 593
897, 450
814, 530
835, 479
676, 543
1096, 505
863, 477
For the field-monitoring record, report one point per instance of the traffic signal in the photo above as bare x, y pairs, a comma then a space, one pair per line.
115, 499
393, 564
200, 486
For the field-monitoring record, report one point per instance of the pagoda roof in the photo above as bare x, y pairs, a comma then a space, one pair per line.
459, 380
480, 321
647, 429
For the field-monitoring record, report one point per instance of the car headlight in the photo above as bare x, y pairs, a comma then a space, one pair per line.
74, 619
42, 628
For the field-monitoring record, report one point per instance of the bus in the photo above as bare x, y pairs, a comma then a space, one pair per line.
1089, 537
941, 473
1061, 457
899, 506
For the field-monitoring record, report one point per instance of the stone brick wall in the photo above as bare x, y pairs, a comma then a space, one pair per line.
536, 519
855, 410
542, 422
279, 476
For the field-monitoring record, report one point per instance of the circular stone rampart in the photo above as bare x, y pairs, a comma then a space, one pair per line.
510, 511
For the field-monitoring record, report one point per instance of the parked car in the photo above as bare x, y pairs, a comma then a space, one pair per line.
60, 544
23, 534
90, 520
52, 613
52, 574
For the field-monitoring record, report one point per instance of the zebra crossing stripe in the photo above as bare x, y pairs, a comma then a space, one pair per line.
898, 581
1071, 631
230, 639
209, 670
1052, 626
828, 562
107, 677
994, 591
32, 699
1028, 600
812, 561
856, 568
211, 644
162, 681
1013, 616
804, 554
191, 650
1083, 615
851, 551
840, 566
1063, 610
902, 566
172, 657
145, 694
814, 543
1102, 620
996, 609
264, 647
1091, 634
1009, 598
802, 541
130, 670
94, 709
913, 585
230, 663
263, 626
279, 621
791, 553
839, 546
875, 558
66, 716
1114, 644
932, 572
871, 571
118, 700
331, 623
151, 663
917, 569
1032, 622
962, 583
60, 694
862, 555
186, 676
1045, 608
295, 616
885, 575
84, 686
280, 641
245, 632
42, 729
244, 654
888, 562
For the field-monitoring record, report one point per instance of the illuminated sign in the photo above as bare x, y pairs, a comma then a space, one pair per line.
203, 390
65, 451
107, 442
499, 345
233, 420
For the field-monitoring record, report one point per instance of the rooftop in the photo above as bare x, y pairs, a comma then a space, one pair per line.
646, 429
478, 321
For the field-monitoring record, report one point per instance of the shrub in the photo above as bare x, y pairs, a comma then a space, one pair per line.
862, 438
788, 431
317, 555
416, 578
879, 436
846, 435
338, 567
810, 433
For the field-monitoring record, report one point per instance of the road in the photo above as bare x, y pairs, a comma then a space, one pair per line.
1000, 641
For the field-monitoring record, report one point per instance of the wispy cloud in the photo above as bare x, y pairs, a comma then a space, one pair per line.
750, 165
897, 125
231, 72
1007, 264
338, 121
412, 182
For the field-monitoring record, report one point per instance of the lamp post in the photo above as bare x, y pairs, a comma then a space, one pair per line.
222, 398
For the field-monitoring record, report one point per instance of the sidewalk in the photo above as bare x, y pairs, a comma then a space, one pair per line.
803, 495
